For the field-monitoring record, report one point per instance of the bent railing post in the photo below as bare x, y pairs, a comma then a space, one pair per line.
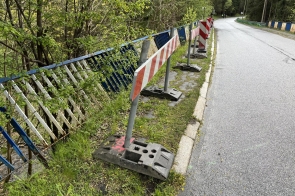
143, 58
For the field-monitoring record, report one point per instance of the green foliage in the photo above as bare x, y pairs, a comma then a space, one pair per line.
74, 172
34, 34
278, 10
253, 23
190, 16
46, 32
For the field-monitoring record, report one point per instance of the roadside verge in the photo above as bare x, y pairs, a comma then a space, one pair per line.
187, 141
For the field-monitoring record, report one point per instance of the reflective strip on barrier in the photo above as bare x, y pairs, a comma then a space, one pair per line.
147, 70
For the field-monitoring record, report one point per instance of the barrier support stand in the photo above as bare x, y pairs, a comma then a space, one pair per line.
187, 66
195, 43
171, 94
189, 43
147, 158
166, 84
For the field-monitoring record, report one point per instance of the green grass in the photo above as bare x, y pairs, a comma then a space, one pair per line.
251, 23
74, 172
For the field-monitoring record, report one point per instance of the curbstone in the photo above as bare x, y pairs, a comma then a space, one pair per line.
204, 89
199, 109
208, 75
191, 130
186, 143
182, 158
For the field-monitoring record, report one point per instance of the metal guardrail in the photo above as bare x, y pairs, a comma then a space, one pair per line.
284, 26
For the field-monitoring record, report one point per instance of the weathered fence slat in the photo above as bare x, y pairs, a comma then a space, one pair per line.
50, 85
72, 77
82, 80
73, 103
47, 96
23, 116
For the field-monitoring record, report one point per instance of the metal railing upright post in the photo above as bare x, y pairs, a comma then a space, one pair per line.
195, 41
189, 44
166, 84
132, 114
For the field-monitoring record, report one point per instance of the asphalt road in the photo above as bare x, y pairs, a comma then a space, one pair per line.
247, 144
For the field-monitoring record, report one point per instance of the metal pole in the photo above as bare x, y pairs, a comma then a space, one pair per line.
203, 12
168, 65
195, 41
134, 104
189, 43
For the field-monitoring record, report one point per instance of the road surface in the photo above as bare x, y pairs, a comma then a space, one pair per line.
247, 144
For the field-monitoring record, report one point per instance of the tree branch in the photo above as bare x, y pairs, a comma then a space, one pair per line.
31, 60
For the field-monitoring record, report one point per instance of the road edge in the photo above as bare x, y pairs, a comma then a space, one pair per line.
187, 140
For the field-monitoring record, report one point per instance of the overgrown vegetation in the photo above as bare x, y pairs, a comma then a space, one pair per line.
228, 7
73, 171
36, 33
253, 23
279, 10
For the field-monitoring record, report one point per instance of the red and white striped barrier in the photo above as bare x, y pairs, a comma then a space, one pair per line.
202, 36
195, 32
208, 27
147, 70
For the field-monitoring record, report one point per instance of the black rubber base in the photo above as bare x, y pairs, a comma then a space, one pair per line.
147, 158
202, 51
171, 94
190, 67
